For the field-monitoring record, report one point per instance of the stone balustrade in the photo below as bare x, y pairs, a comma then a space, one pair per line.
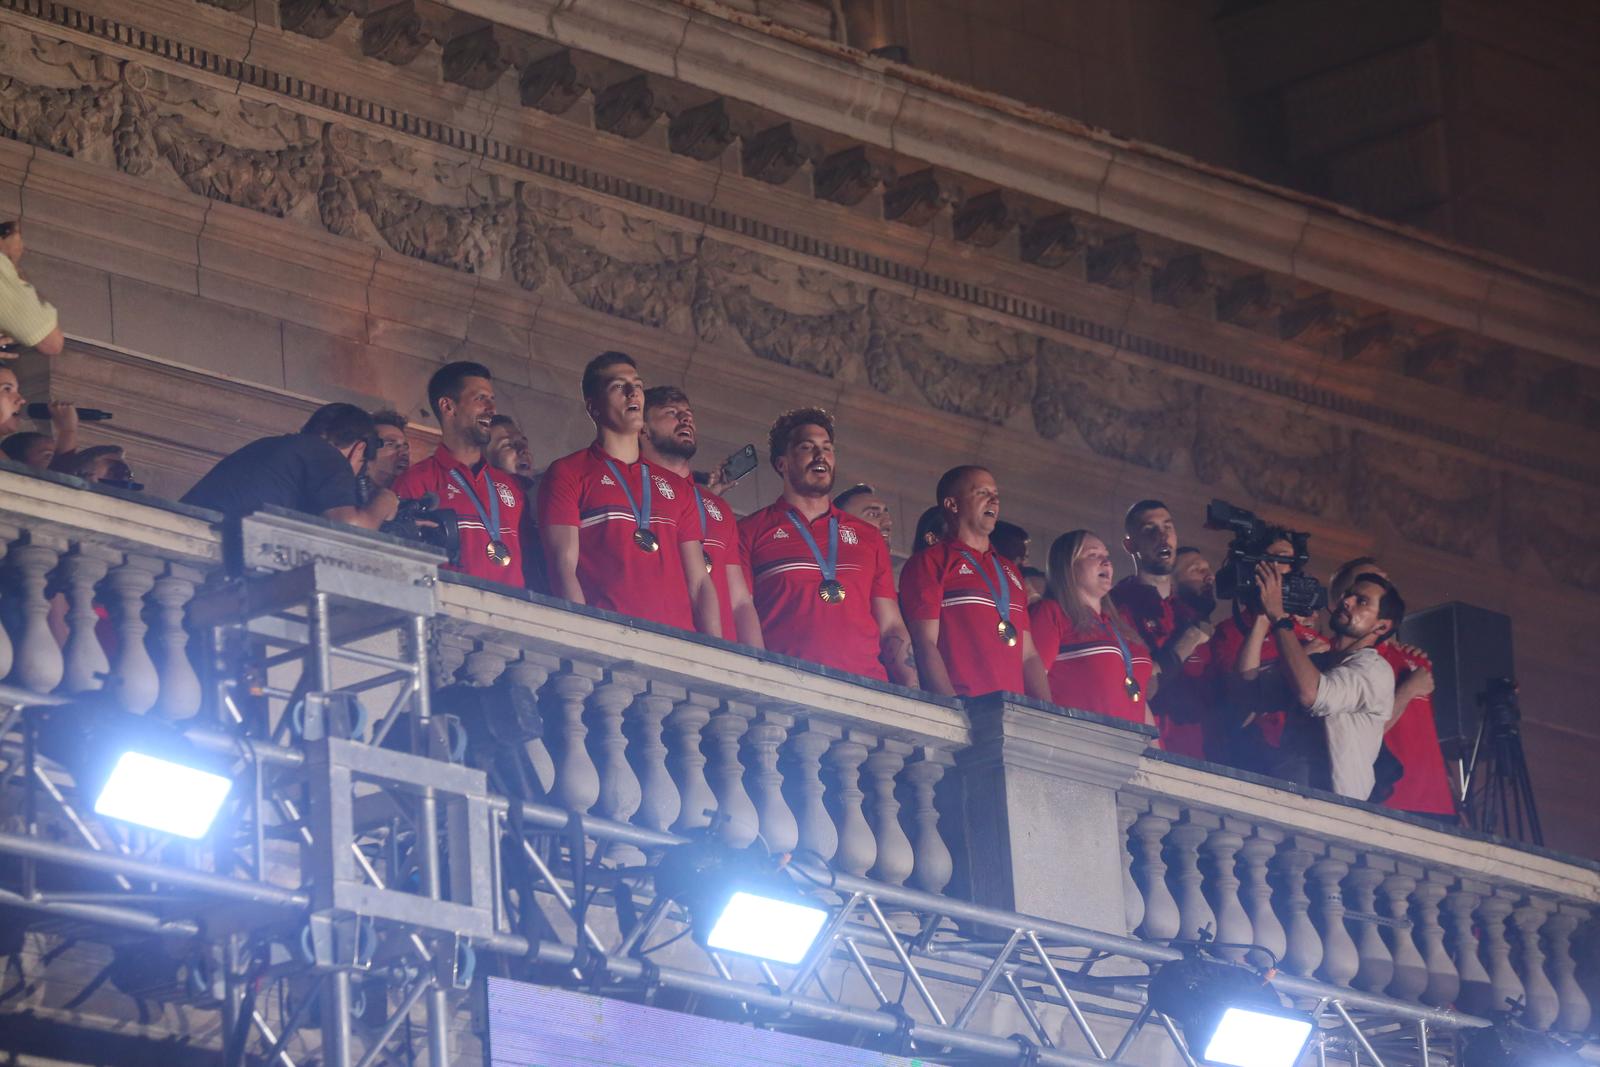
672, 732
1385, 905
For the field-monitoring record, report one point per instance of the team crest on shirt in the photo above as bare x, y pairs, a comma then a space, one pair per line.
450, 491
605, 479
848, 536
714, 511
508, 499
664, 489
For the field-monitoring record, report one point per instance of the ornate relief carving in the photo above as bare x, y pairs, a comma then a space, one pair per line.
1121, 410
968, 366
1553, 523
1281, 457
56, 95
272, 181
773, 155
395, 34
475, 60
701, 132
1433, 500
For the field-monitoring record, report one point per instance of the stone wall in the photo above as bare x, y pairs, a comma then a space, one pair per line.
289, 238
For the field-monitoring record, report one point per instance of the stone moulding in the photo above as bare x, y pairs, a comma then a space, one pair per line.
703, 273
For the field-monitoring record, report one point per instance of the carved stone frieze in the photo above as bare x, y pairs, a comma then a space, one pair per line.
57, 95
1049, 242
551, 84
314, 18
1122, 411
1442, 502
1554, 525
701, 132
968, 366
1279, 456
395, 34
773, 155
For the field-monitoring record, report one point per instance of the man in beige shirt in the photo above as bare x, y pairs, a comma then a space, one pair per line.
26, 321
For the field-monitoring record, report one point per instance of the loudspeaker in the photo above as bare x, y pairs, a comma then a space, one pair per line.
1469, 646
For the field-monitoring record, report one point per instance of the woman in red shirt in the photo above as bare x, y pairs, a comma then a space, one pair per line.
1095, 662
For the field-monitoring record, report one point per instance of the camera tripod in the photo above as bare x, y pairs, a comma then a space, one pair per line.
1497, 792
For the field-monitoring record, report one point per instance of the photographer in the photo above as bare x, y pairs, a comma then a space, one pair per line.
1346, 693
313, 471
25, 320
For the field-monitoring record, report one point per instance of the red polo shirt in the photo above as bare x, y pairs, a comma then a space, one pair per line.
785, 575
614, 572
1268, 726
1414, 739
1085, 666
1185, 704
939, 583
432, 475
719, 537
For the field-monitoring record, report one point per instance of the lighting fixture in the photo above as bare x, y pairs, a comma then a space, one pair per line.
1230, 1015
740, 901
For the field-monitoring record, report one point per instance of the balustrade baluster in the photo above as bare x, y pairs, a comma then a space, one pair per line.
1339, 960
38, 663
1303, 954
8, 534
659, 802
931, 864
1444, 984
577, 782
1222, 888
763, 781
133, 674
1575, 1008
1539, 994
1504, 983
530, 672
1410, 973
84, 663
894, 847
1183, 866
1375, 968
857, 850
1161, 917
447, 653
1256, 851
1132, 899
802, 782
1475, 994
619, 786
687, 762
178, 686
484, 664
737, 812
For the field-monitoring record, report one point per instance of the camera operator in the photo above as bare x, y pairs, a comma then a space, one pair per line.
1177, 635
488, 503
1411, 735
1346, 693
312, 471
46, 451
26, 321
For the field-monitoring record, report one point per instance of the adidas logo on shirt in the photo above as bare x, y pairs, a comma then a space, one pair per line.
605, 479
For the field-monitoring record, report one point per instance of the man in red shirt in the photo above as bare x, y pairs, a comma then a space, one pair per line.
1411, 733
617, 534
668, 443
1176, 634
489, 503
965, 604
823, 583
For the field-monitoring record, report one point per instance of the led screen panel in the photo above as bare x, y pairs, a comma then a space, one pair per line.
537, 1026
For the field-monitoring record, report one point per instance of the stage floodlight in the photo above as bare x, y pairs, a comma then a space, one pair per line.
133, 768
162, 795
740, 901
1229, 1014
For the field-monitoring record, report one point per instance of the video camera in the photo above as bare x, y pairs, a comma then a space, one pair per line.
425, 522
1236, 578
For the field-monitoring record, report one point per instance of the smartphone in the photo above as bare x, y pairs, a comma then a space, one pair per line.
739, 464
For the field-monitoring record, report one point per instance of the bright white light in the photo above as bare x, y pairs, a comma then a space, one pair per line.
162, 795
775, 930
1247, 1038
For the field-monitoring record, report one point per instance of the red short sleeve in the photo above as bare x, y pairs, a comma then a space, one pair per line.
921, 591
688, 524
1046, 630
883, 578
558, 496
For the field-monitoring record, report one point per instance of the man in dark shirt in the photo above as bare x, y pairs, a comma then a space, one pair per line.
312, 471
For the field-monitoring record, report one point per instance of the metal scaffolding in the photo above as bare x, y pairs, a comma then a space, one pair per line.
408, 870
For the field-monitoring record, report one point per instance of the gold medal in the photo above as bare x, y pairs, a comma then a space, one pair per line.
710, 567
499, 554
1007, 632
646, 540
1132, 688
831, 592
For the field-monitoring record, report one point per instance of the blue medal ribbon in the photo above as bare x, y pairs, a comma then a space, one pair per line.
491, 518
641, 512
1130, 683
830, 566
700, 505
1001, 591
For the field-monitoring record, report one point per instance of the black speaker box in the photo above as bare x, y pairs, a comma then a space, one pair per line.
1469, 646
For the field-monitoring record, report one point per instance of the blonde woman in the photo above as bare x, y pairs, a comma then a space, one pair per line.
1095, 662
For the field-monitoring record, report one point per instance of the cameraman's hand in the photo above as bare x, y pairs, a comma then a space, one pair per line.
1269, 584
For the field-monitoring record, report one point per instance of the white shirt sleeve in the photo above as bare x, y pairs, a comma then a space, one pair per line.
1361, 685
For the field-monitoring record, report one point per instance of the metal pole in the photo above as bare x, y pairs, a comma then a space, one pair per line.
422, 985
336, 1020
428, 843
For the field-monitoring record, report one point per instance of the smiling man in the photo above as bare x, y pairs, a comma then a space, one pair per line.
824, 586
618, 533
489, 503
966, 605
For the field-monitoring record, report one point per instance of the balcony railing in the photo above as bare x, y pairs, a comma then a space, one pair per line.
1003, 802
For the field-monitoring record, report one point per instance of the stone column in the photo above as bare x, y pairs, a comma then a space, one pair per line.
688, 764
931, 865
37, 664
531, 671
659, 803
169, 642
1304, 947
1475, 994
1040, 784
1575, 1008
1504, 983
619, 786
894, 847
133, 674
1183, 865
1376, 968
763, 781
1443, 981
84, 662
1162, 919
7, 535
734, 807
1222, 886
802, 783
1256, 853
1410, 973
1132, 898
577, 784
858, 849
1539, 992
1339, 961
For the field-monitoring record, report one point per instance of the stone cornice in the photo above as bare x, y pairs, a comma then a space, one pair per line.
1025, 149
